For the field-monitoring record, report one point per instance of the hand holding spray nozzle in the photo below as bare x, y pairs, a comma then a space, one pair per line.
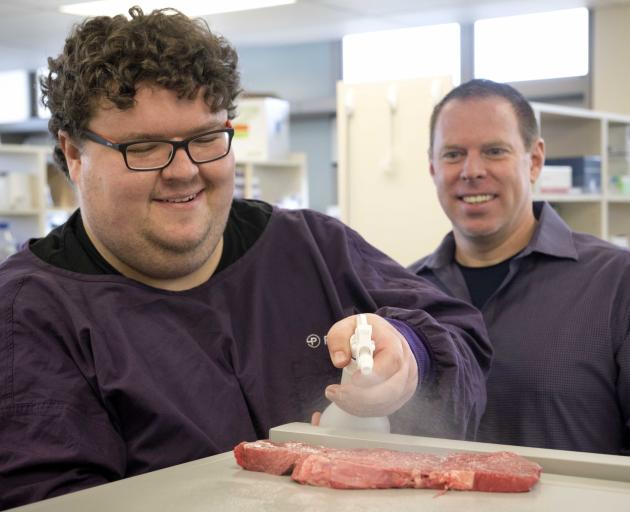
362, 347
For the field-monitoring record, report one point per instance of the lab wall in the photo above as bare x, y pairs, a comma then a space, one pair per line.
610, 69
306, 76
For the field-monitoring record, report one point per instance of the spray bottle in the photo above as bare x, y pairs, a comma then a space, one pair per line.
362, 347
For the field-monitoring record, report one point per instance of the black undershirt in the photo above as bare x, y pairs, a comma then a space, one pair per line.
482, 282
69, 247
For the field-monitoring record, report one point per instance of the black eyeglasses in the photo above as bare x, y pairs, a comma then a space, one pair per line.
155, 155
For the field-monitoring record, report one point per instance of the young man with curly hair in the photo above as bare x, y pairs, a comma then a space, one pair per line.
165, 321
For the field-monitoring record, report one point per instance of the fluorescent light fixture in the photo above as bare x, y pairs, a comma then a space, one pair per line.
188, 7
401, 54
532, 46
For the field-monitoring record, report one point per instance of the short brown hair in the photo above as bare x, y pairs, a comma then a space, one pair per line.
481, 88
107, 57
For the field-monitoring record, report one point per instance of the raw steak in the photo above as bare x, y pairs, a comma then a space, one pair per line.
382, 469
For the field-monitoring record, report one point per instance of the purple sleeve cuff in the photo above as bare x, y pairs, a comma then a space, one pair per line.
417, 346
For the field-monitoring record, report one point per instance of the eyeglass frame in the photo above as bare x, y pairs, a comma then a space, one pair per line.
175, 144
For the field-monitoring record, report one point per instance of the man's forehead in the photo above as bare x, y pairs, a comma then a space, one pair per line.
157, 112
145, 93
487, 103
483, 131
476, 115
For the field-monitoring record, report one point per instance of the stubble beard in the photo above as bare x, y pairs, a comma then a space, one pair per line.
159, 258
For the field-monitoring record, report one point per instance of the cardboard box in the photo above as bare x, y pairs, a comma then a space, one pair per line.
554, 179
585, 171
261, 129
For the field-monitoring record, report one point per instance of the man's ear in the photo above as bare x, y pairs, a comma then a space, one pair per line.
538, 160
431, 169
430, 157
72, 153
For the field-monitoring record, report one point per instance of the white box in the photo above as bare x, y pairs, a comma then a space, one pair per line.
555, 179
20, 192
261, 130
15, 191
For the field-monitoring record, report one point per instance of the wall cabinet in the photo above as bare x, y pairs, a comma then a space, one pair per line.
385, 189
576, 132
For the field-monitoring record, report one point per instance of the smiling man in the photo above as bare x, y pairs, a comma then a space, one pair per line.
161, 228
556, 303
165, 321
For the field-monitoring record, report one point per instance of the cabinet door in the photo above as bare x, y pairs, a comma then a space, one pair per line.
385, 190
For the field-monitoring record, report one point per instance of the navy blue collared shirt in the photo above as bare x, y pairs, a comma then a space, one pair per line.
559, 324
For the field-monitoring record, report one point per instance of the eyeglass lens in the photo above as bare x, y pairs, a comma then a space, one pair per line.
152, 155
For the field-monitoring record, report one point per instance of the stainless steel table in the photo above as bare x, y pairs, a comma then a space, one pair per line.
571, 481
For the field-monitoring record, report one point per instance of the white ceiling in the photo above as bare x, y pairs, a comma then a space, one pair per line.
31, 30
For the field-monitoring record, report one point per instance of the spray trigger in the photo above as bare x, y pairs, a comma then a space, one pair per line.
362, 345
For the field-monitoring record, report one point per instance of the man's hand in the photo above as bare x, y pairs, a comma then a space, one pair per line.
393, 380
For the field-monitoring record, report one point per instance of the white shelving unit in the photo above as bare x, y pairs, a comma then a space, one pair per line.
50, 198
27, 218
577, 132
279, 182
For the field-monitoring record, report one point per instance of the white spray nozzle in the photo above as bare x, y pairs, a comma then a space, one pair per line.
362, 345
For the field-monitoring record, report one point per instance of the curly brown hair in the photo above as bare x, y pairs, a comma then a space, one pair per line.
105, 58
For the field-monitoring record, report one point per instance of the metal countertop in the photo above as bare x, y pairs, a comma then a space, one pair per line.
218, 483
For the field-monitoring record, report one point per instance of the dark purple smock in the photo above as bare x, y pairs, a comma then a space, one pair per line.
102, 377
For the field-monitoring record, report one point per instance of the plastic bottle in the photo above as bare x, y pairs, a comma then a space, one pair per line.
335, 417
362, 350
8, 245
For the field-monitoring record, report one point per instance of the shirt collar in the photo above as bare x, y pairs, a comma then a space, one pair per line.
552, 237
442, 256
